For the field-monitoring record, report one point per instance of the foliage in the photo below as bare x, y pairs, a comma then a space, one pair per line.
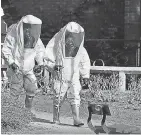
102, 88
114, 53
106, 89
14, 115
134, 90
11, 13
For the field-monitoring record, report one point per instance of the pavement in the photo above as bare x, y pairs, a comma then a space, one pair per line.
43, 120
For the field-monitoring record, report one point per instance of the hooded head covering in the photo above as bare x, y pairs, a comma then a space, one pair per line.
68, 42
31, 30
73, 38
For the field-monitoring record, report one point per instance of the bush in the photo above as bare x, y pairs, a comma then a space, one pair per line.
13, 114
102, 88
134, 90
105, 88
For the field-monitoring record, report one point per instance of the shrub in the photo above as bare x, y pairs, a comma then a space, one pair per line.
134, 89
106, 88
13, 114
102, 88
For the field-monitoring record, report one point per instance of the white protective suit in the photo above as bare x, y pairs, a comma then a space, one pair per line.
3, 34
73, 66
14, 51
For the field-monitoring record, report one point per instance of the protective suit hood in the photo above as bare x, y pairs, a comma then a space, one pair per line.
55, 49
33, 23
31, 31
76, 33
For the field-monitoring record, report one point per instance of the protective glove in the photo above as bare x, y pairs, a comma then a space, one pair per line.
38, 69
85, 83
58, 67
14, 67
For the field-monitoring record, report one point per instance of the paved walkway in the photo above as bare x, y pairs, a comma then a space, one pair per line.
44, 120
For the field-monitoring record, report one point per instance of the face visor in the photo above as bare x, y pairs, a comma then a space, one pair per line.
31, 33
72, 43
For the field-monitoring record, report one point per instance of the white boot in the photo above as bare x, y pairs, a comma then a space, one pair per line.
28, 101
56, 109
75, 113
57, 103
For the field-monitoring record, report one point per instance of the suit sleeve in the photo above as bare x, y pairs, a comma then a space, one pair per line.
85, 64
50, 53
40, 50
8, 48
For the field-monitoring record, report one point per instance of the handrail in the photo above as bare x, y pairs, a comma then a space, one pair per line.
131, 70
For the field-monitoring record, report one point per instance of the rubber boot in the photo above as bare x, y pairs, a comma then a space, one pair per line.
75, 113
28, 102
56, 109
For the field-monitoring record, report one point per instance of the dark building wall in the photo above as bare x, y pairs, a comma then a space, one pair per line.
132, 29
132, 19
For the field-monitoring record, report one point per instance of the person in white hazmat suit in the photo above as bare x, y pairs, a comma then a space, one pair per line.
67, 59
22, 46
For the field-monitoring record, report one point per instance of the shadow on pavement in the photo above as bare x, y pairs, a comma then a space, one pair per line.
48, 121
124, 129
41, 120
119, 129
62, 124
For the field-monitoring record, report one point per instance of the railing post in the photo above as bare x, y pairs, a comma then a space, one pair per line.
122, 81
